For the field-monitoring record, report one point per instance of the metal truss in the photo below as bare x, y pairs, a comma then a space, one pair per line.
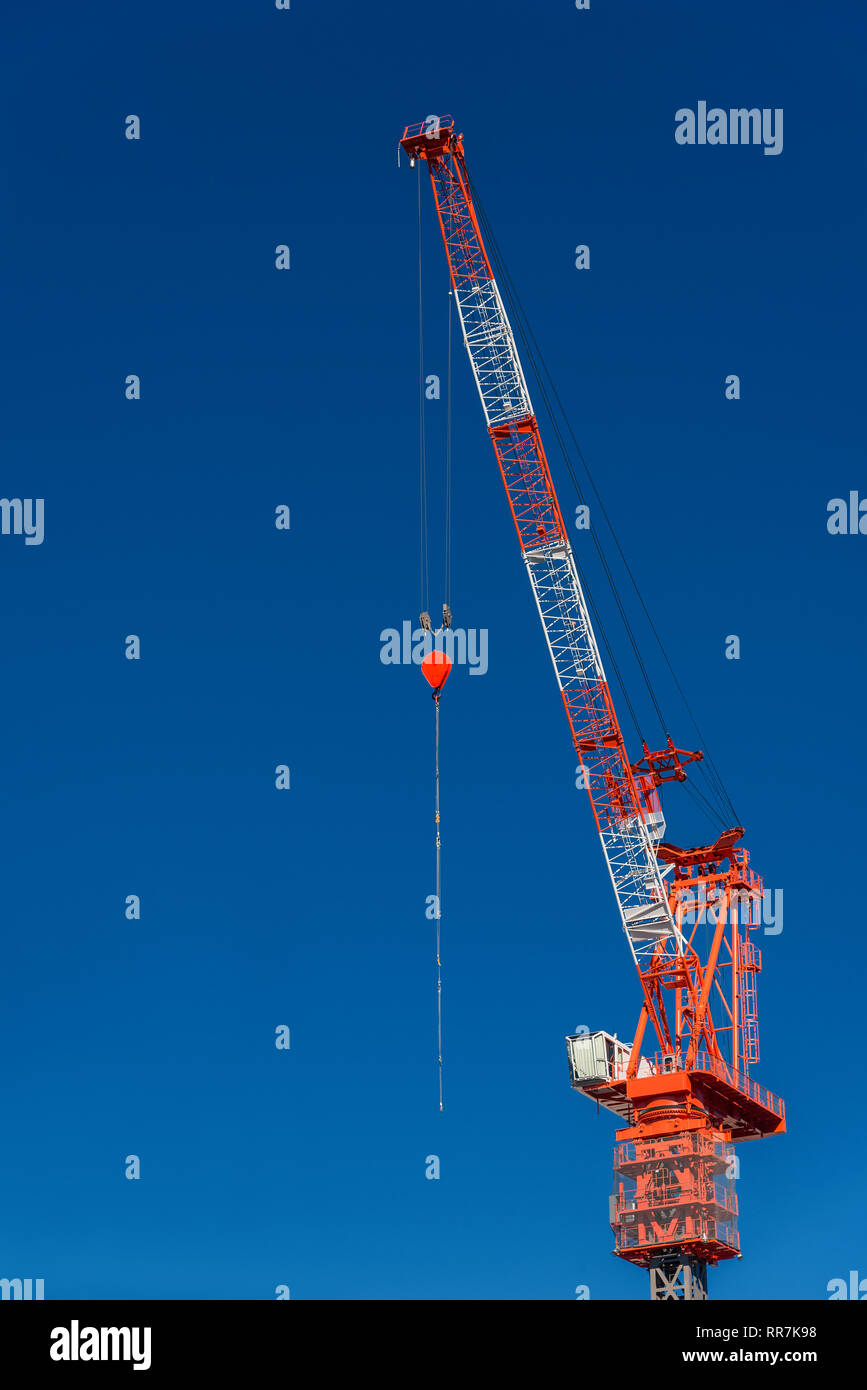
678, 1278
490, 343
487, 333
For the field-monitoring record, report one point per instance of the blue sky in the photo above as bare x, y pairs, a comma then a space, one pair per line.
259, 647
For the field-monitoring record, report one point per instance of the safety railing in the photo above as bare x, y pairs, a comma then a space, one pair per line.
646, 1205
669, 1062
698, 1145
634, 1237
717, 1067
445, 126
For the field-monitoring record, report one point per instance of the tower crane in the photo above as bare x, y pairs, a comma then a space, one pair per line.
685, 1104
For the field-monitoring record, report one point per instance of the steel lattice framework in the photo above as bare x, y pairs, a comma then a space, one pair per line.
547, 552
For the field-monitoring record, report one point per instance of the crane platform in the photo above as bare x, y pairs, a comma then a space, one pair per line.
662, 1087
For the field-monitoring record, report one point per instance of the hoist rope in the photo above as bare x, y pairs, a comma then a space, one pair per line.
424, 548
531, 349
424, 562
447, 581
534, 354
713, 772
715, 785
710, 812
438, 903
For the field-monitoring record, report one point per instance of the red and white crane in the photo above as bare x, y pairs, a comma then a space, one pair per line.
674, 1208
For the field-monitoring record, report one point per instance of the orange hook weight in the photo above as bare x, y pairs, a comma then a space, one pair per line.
435, 668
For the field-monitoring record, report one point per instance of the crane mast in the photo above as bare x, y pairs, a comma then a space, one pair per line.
674, 1209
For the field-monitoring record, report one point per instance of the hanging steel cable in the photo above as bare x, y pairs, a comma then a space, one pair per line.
439, 890
435, 669
541, 374
447, 577
424, 562
436, 664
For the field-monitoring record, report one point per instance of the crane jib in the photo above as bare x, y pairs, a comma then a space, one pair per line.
547, 553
